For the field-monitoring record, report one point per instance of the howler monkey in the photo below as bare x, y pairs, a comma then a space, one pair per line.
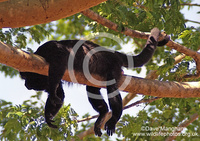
104, 63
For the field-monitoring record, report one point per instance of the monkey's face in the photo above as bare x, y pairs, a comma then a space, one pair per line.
34, 81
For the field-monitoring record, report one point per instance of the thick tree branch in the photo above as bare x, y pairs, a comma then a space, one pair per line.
20, 60
3, 0
24, 62
19, 13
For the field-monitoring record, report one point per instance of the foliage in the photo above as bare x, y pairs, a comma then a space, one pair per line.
26, 121
160, 119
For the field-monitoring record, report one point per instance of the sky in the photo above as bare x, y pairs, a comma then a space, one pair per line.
13, 90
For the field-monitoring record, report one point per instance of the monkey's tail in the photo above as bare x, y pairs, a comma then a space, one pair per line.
147, 53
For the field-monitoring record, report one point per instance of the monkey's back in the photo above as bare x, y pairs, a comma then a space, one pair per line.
82, 55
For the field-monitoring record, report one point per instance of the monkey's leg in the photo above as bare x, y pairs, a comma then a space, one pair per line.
115, 102
99, 105
52, 109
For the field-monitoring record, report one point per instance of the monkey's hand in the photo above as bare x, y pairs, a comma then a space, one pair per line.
165, 40
51, 109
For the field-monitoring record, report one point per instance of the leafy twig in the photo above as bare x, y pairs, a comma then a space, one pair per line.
187, 20
190, 4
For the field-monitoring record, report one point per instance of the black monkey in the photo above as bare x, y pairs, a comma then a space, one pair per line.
104, 63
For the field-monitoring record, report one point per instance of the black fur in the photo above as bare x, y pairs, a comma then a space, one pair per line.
105, 64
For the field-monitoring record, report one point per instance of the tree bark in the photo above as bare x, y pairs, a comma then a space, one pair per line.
20, 13
32, 63
3, 0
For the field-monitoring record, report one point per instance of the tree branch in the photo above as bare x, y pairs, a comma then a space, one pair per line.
136, 4
190, 4
187, 20
3, 0
19, 13
125, 107
137, 34
32, 63
105, 22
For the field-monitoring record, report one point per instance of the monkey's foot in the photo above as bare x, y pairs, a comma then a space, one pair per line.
97, 131
110, 127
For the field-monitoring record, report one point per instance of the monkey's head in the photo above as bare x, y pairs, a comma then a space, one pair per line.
34, 81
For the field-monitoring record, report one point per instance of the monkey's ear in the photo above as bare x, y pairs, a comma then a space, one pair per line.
165, 40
